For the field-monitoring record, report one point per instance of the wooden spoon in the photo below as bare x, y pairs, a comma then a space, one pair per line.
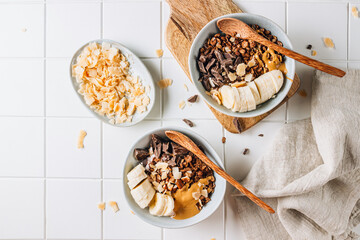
187, 143
234, 26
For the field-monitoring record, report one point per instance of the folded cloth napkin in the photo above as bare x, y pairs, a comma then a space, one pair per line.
311, 173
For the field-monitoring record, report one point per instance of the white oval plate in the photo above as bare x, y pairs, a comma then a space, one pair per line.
137, 68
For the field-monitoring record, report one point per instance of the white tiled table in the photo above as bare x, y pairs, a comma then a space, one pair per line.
48, 188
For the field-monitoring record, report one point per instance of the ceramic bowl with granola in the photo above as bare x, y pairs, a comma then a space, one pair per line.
239, 77
168, 186
112, 82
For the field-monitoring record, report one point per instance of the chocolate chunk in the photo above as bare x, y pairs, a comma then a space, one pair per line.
218, 55
229, 55
201, 67
223, 139
216, 73
246, 151
237, 124
188, 122
166, 148
309, 47
193, 99
261, 135
156, 144
226, 61
218, 82
141, 154
178, 150
238, 60
202, 58
206, 83
210, 63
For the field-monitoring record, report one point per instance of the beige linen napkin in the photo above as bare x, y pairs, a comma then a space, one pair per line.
311, 173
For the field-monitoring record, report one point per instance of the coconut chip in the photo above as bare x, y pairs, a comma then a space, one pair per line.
182, 104
81, 137
114, 206
164, 83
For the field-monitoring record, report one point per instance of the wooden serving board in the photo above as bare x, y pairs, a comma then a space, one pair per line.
187, 18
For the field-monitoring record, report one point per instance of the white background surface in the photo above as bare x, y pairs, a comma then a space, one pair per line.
49, 189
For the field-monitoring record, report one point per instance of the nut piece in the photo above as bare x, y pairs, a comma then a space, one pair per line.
251, 63
101, 206
114, 206
223, 139
164, 83
313, 53
159, 52
329, 42
355, 12
241, 69
82, 135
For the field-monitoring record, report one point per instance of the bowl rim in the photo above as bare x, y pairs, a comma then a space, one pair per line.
218, 107
215, 157
131, 54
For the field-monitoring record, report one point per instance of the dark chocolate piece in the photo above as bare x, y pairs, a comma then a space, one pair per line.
156, 143
201, 67
178, 150
193, 99
188, 122
141, 154
210, 63
246, 151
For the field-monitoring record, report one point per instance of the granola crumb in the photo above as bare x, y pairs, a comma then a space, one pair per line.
261, 135
355, 12
246, 151
132, 212
309, 47
313, 53
328, 42
302, 93
223, 139
82, 135
101, 206
159, 52
114, 206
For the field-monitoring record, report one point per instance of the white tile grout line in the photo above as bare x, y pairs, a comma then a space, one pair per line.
45, 124
224, 202
286, 31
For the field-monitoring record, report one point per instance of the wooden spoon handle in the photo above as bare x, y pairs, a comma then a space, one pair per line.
301, 58
191, 146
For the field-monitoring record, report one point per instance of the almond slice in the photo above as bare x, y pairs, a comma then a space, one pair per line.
182, 104
114, 206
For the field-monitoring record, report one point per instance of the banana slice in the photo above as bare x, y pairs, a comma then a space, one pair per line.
136, 175
255, 92
169, 210
158, 206
243, 101
227, 96
265, 87
277, 79
237, 101
143, 193
251, 104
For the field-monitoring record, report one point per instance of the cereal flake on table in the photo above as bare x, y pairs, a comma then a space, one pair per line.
164, 83
328, 42
101, 206
107, 85
114, 206
355, 12
159, 52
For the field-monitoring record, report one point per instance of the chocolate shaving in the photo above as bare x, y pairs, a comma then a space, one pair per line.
178, 150
166, 148
188, 122
141, 154
201, 67
156, 143
237, 124
261, 135
210, 63
309, 47
193, 99
246, 151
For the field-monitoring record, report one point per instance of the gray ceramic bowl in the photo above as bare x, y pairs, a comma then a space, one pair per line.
136, 67
211, 29
167, 222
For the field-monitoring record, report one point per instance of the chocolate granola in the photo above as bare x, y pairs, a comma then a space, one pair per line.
170, 166
226, 59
